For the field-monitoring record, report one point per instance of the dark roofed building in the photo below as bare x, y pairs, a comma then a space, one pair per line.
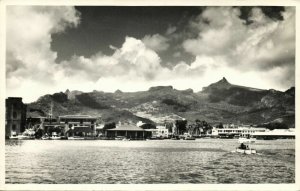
34, 117
128, 131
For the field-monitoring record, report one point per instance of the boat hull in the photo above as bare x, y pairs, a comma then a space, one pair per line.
23, 137
246, 151
75, 138
190, 138
55, 138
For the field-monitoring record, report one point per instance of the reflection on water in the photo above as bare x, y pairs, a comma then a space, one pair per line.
166, 161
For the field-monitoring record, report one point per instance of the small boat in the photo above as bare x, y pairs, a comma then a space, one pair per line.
27, 135
45, 138
54, 136
75, 138
24, 137
245, 148
156, 138
188, 136
120, 138
89, 138
246, 151
13, 136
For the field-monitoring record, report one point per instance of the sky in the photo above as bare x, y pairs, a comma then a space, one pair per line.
53, 48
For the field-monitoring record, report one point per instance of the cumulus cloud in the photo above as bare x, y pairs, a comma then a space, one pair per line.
156, 42
32, 70
29, 32
261, 46
259, 55
133, 58
218, 36
28, 50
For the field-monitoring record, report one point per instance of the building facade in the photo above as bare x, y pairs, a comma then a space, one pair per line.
15, 116
78, 125
236, 131
160, 132
128, 131
276, 134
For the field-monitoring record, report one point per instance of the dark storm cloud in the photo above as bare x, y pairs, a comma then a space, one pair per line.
102, 26
274, 13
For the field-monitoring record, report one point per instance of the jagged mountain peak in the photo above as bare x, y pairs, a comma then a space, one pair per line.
223, 80
221, 84
220, 101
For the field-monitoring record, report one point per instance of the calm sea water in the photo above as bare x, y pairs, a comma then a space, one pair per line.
161, 161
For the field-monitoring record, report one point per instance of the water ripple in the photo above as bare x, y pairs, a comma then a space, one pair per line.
110, 162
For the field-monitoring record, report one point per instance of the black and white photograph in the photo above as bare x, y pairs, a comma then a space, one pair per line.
117, 94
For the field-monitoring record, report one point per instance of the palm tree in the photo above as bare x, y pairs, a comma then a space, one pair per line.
198, 127
191, 129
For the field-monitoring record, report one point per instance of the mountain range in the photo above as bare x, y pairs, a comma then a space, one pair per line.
219, 102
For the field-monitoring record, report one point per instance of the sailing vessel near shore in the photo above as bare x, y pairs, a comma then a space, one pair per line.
247, 151
245, 146
28, 134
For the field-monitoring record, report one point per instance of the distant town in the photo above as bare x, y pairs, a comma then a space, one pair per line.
81, 127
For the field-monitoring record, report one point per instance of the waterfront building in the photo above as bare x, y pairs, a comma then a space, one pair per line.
160, 132
275, 134
241, 131
34, 118
37, 119
127, 131
78, 125
15, 116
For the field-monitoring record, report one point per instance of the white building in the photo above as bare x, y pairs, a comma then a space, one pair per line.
161, 132
242, 131
276, 134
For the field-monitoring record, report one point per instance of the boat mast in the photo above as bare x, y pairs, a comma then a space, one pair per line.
51, 112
